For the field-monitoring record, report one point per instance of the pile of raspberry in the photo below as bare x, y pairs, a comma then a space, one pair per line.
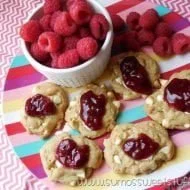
68, 34
148, 29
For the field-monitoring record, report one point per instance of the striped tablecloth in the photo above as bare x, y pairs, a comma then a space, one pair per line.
21, 77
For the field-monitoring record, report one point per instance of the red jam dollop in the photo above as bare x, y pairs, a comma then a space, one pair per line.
71, 155
39, 105
135, 76
140, 148
177, 94
92, 109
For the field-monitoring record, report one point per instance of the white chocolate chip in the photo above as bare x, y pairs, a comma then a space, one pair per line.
109, 94
159, 98
144, 96
46, 132
34, 90
116, 103
82, 175
56, 99
58, 164
125, 96
149, 101
72, 183
163, 82
73, 103
117, 159
187, 125
102, 86
165, 150
118, 80
165, 122
187, 113
117, 141
58, 132
149, 158
44, 124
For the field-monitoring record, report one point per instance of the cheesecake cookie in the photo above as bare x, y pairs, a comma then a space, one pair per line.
70, 159
134, 75
44, 111
170, 106
93, 112
138, 148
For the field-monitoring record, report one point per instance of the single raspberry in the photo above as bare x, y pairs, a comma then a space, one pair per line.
149, 19
163, 29
53, 18
70, 42
30, 31
64, 25
180, 43
118, 23
99, 26
87, 48
38, 54
54, 58
51, 6
81, 13
132, 21
130, 41
70, 3
68, 59
145, 37
84, 32
45, 22
49, 41
162, 46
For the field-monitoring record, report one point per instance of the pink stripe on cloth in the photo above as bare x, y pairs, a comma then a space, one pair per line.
22, 138
15, 94
126, 105
140, 8
186, 30
181, 139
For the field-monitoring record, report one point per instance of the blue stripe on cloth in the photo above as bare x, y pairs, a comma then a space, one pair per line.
29, 149
162, 10
19, 61
131, 115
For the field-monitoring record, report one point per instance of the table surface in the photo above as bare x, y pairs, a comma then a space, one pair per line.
13, 174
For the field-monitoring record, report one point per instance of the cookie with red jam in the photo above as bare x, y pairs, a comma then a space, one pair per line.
93, 112
44, 111
138, 148
170, 106
70, 159
134, 75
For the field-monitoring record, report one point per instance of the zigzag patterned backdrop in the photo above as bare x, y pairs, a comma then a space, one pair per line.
180, 6
13, 174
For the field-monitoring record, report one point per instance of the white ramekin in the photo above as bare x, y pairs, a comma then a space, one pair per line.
81, 74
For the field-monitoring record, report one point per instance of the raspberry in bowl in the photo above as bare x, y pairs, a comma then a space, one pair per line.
69, 43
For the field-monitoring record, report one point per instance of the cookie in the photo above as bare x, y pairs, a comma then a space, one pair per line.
93, 112
48, 109
138, 148
147, 64
70, 159
159, 110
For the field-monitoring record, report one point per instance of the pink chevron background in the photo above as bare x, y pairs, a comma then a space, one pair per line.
13, 175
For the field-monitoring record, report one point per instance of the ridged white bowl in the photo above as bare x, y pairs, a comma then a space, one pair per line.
81, 74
